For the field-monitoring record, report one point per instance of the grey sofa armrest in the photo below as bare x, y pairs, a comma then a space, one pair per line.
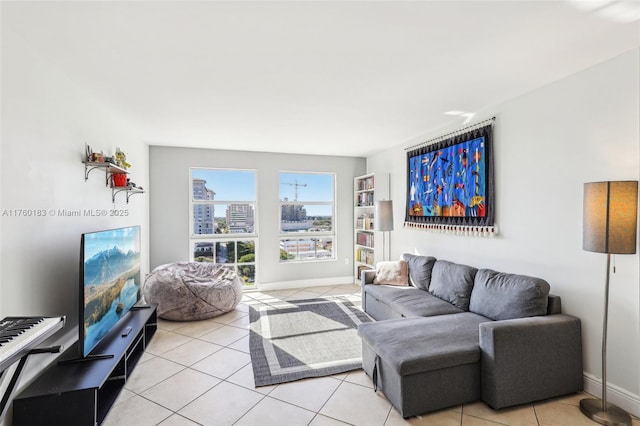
554, 305
529, 359
366, 277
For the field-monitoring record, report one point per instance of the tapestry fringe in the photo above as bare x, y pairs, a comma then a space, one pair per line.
468, 231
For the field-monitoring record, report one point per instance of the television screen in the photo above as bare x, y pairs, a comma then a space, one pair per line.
109, 283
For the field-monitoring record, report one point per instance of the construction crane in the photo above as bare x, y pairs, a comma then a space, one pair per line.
295, 186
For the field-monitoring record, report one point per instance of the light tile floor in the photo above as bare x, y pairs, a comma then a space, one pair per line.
199, 373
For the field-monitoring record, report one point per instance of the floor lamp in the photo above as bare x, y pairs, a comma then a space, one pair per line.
383, 221
609, 226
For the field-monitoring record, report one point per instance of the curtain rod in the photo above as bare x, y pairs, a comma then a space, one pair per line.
454, 133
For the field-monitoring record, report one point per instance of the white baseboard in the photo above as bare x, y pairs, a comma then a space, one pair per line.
316, 282
615, 395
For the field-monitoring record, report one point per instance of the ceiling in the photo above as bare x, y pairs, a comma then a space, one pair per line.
316, 77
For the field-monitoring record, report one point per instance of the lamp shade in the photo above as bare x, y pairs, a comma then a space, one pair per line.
384, 216
610, 212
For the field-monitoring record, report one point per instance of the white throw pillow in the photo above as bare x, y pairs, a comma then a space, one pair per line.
392, 273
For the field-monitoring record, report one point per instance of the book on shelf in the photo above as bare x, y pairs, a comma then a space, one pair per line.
368, 223
365, 222
366, 184
370, 260
365, 256
364, 239
366, 199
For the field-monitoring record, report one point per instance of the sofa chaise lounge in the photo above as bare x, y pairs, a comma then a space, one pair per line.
457, 334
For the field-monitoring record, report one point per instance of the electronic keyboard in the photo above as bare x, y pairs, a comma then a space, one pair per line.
19, 335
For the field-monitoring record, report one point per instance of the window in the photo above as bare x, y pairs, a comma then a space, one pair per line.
223, 226
307, 211
238, 254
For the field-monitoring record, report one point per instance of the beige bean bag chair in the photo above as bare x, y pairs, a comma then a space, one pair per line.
187, 291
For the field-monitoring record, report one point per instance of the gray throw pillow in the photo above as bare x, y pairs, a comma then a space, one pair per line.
452, 282
419, 270
501, 296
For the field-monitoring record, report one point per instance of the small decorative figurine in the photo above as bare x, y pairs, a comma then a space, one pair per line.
121, 159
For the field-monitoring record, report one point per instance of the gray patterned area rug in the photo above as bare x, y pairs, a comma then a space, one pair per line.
292, 340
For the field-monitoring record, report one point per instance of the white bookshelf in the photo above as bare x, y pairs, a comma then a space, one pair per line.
367, 242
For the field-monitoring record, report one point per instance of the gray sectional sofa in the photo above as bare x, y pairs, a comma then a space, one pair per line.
458, 334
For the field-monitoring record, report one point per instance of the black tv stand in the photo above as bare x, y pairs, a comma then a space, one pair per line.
74, 392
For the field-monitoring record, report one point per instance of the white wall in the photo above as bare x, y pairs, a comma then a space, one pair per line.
547, 144
46, 121
169, 177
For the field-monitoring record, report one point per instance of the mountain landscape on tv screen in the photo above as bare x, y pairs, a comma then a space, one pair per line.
111, 288
108, 265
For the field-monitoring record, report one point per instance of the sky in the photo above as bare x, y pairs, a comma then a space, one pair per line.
239, 185
229, 185
317, 186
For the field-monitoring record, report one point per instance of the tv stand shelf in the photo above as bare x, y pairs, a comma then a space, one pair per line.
80, 391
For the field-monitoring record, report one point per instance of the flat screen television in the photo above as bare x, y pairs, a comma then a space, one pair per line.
109, 282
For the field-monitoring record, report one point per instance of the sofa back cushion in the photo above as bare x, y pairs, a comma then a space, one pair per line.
419, 270
501, 296
452, 282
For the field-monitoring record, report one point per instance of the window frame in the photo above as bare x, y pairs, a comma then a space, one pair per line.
309, 235
214, 202
235, 265
214, 238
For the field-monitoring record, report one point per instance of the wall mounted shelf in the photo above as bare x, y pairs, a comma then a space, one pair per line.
109, 170
129, 191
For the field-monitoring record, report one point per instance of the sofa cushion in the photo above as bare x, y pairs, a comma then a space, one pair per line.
419, 270
502, 296
392, 273
415, 345
452, 282
410, 301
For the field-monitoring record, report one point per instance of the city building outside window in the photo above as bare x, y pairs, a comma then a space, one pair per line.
307, 211
223, 219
